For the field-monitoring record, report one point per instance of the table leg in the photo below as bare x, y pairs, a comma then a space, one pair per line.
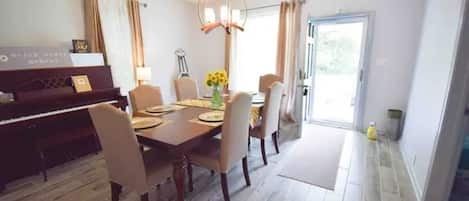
179, 171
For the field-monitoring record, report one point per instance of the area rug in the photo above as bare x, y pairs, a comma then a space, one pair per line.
315, 159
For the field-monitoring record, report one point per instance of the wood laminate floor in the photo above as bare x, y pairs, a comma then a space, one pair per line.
369, 171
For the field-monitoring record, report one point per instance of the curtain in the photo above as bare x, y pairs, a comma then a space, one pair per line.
117, 37
94, 33
228, 42
287, 47
138, 56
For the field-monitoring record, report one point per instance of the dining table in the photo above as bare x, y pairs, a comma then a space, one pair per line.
182, 132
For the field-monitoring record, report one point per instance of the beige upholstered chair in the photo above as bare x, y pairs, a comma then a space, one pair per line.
222, 155
127, 165
186, 88
145, 96
270, 118
266, 81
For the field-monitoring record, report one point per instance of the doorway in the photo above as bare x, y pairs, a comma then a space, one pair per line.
335, 62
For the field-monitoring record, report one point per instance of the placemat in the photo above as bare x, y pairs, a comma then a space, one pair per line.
143, 113
211, 124
165, 122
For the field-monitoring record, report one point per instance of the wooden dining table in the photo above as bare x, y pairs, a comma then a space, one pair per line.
177, 137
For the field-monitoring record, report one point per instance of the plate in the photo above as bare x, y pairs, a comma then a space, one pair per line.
145, 122
258, 100
160, 109
214, 116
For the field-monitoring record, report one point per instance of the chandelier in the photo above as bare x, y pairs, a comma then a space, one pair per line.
227, 14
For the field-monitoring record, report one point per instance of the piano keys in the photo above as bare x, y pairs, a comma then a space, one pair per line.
47, 112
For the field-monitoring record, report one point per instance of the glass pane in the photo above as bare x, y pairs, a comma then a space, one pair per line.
336, 71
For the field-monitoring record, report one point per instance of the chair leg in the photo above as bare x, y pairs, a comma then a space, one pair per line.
189, 172
116, 190
224, 186
144, 197
264, 156
246, 171
249, 143
275, 139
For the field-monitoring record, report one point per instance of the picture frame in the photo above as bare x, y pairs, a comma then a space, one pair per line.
80, 46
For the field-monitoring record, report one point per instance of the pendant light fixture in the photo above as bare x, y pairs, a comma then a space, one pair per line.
227, 14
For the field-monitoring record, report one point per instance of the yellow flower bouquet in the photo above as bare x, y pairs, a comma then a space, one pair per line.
216, 80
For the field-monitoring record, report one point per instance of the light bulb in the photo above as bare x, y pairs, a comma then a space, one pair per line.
224, 13
209, 15
236, 15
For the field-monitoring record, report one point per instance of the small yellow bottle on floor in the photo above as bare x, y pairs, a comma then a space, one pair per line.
372, 134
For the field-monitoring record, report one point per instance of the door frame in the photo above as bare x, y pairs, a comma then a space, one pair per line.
361, 91
450, 138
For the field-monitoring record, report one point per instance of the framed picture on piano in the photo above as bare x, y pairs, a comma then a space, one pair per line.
81, 83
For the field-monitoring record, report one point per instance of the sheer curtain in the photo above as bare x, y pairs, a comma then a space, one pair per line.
117, 37
254, 51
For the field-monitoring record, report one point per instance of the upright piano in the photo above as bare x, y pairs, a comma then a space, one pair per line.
48, 111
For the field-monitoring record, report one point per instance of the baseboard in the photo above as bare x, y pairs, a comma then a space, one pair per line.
411, 172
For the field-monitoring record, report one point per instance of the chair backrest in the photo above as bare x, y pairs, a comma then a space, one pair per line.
120, 147
271, 111
235, 131
145, 96
266, 81
186, 88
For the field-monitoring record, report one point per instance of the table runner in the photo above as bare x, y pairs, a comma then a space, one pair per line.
255, 109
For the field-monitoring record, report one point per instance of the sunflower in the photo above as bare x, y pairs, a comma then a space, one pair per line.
208, 83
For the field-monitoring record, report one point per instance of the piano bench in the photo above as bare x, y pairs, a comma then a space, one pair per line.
41, 145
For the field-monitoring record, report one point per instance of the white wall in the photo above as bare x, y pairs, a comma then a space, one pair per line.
41, 23
430, 87
396, 36
169, 25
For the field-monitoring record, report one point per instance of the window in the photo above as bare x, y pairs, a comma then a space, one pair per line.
254, 51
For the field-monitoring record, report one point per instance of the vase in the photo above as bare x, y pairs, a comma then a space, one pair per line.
217, 100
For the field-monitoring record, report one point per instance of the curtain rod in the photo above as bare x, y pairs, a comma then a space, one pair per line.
271, 6
262, 7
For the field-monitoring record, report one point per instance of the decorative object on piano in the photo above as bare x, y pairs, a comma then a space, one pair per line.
17, 58
143, 74
216, 80
139, 123
80, 46
6, 98
81, 83
231, 13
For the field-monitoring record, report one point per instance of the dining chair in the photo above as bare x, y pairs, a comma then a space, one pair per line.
221, 155
127, 165
266, 81
270, 117
186, 88
145, 96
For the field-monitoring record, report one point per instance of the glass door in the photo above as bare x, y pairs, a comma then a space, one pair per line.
336, 49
